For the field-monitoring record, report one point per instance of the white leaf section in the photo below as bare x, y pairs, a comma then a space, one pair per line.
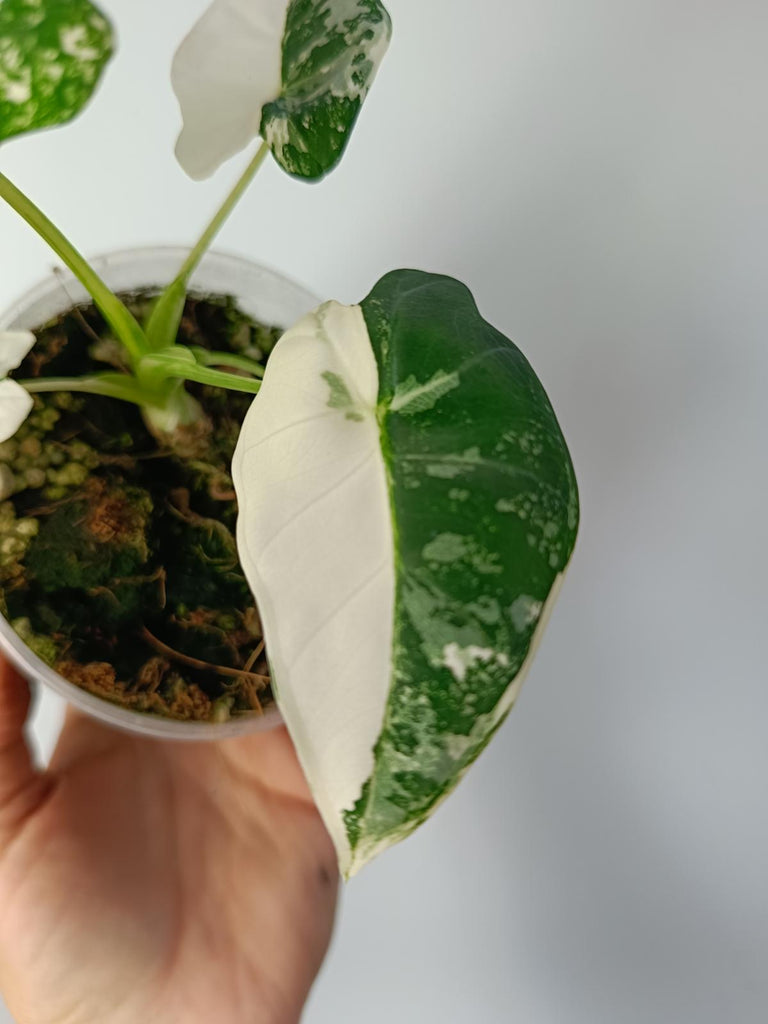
316, 544
14, 348
224, 72
15, 406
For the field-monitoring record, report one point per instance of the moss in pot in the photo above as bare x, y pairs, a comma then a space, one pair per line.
406, 502
118, 557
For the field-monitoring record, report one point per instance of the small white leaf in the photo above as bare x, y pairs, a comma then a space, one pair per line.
15, 406
14, 347
225, 71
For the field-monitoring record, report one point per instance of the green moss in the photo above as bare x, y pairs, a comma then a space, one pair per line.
120, 560
16, 536
42, 646
88, 543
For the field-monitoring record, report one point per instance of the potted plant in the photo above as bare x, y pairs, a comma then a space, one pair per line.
405, 502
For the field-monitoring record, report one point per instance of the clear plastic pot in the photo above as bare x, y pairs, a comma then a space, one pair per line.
264, 294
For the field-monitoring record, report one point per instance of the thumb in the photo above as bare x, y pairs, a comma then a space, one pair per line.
21, 785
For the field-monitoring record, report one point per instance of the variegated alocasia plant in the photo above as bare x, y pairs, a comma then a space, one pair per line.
407, 502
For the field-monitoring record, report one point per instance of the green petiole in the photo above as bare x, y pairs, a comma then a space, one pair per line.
208, 358
159, 365
154, 375
119, 318
164, 320
171, 364
110, 385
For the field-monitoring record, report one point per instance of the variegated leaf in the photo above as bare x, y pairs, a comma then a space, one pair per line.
408, 507
295, 72
331, 53
52, 54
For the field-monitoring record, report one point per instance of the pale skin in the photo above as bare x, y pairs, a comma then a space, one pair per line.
145, 881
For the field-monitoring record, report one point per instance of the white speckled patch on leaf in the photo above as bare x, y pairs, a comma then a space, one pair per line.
401, 605
52, 54
332, 50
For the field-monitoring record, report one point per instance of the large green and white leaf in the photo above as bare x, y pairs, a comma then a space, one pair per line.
408, 507
52, 54
294, 72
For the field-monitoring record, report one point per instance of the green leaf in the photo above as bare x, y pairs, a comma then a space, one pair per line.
331, 52
408, 508
52, 53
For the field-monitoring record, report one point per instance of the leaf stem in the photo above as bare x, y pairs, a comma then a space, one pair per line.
122, 322
223, 213
207, 375
110, 385
206, 357
163, 323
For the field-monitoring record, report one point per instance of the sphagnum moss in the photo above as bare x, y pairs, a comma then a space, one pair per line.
118, 562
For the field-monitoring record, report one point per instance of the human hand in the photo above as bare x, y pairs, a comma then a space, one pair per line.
143, 881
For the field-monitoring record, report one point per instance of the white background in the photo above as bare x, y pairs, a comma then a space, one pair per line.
598, 174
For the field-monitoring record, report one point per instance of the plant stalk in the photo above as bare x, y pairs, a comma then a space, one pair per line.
163, 323
223, 213
173, 369
206, 357
119, 318
109, 385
